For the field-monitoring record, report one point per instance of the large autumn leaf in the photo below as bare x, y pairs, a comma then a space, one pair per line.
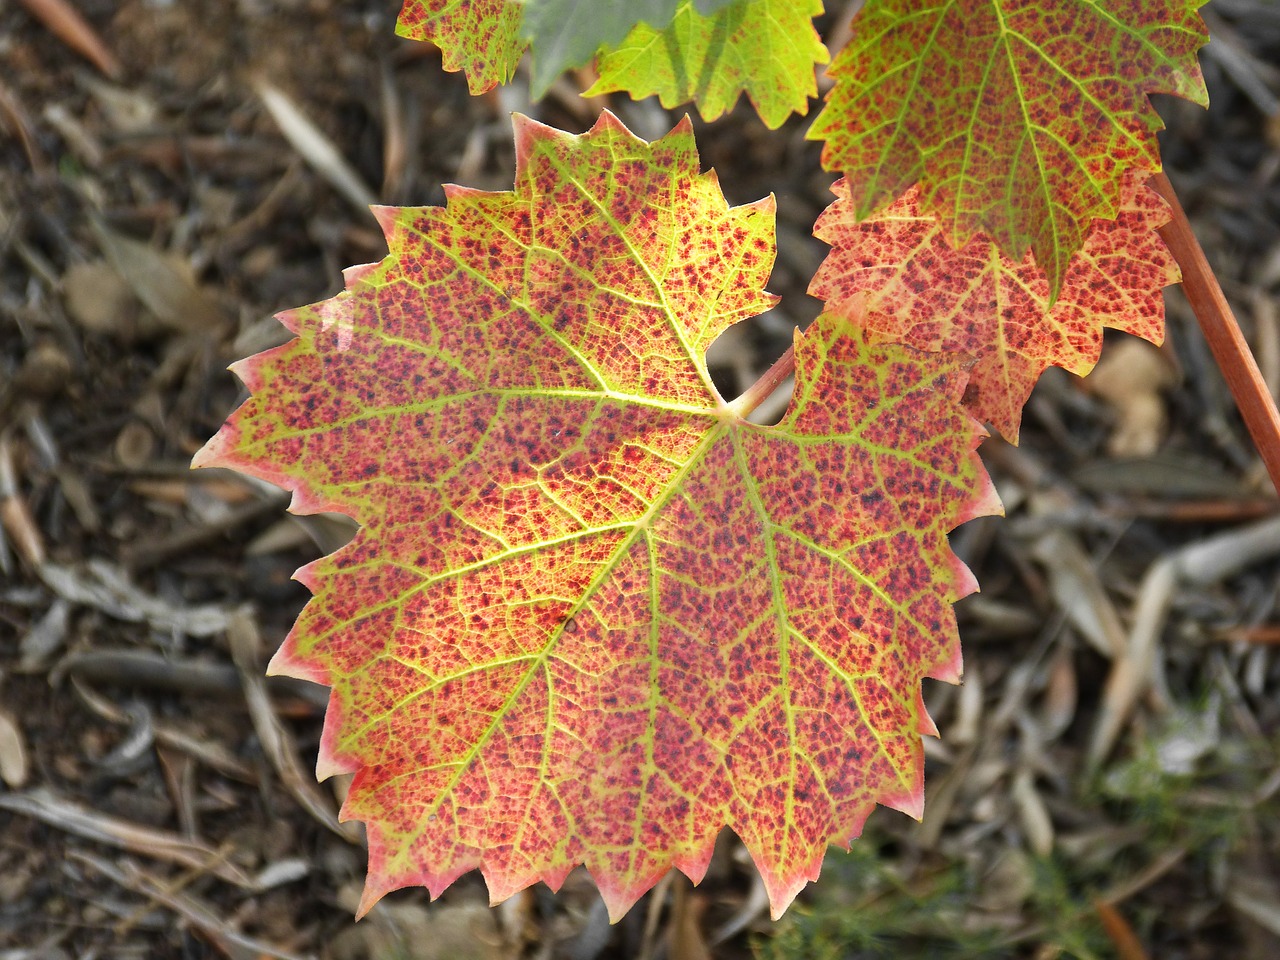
1017, 117
896, 274
765, 48
593, 615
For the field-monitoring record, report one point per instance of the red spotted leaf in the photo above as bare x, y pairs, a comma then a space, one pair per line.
479, 37
1017, 117
593, 615
895, 274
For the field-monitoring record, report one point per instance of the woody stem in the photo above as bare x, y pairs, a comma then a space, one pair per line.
1227, 343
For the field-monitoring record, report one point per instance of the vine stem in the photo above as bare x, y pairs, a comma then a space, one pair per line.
769, 381
1226, 341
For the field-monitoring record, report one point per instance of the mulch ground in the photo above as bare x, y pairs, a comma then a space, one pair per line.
1108, 781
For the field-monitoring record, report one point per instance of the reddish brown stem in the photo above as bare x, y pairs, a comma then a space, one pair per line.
1227, 343
65, 22
769, 381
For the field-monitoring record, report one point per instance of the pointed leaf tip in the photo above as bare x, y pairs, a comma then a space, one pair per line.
211, 453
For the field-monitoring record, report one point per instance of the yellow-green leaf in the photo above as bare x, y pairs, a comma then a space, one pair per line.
765, 48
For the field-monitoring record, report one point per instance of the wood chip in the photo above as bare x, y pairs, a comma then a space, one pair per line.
45, 637
1078, 591
1032, 814
45, 806
1198, 564
1131, 377
99, 300
242, 633
163, 281
103, 586
1258, 900
15, 517
14, 765
316, 148
203, 917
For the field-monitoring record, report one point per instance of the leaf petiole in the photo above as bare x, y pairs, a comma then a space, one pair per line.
769, 381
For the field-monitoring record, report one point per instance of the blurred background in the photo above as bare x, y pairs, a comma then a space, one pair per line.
1108, 779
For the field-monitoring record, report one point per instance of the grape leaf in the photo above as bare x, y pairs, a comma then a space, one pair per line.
593, 615
767, 48
1017, 117
897, 276
479, 37
567, 33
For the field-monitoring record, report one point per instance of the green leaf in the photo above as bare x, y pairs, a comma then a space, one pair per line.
767, 48
1018, 118
593, 615
567, 33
